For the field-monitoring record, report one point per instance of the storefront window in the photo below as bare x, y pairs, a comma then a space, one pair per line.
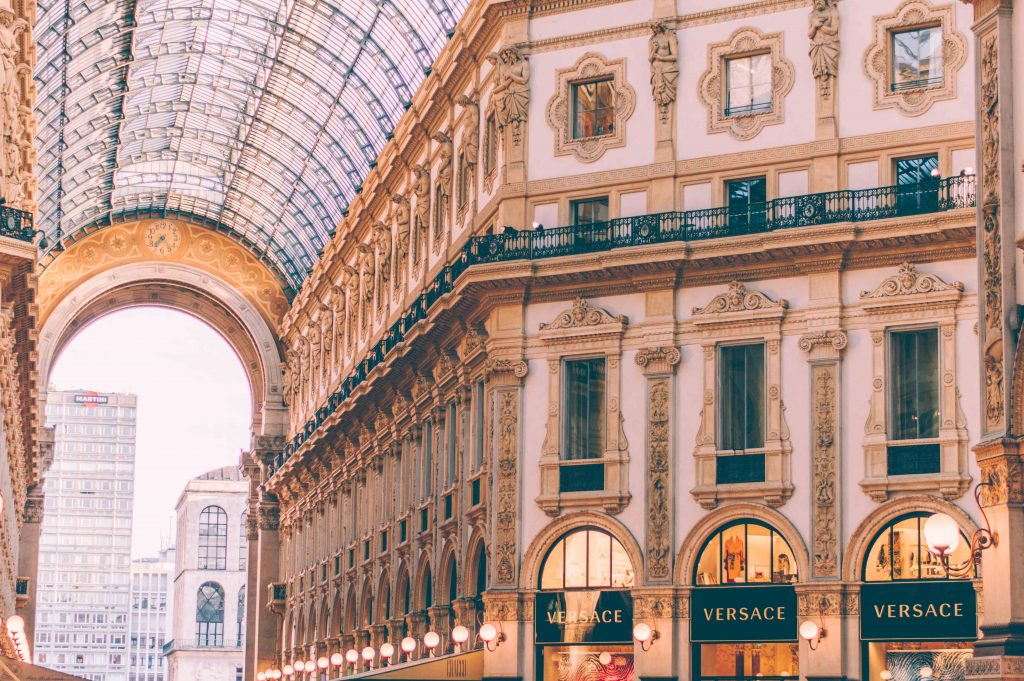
748, 660
584, 611
899, 552
746, 552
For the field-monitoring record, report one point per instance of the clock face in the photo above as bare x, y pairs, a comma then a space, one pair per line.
163, 238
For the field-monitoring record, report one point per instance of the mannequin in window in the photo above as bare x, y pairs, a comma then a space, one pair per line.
734, 558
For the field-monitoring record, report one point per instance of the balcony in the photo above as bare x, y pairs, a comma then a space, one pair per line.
861, 205
16, 224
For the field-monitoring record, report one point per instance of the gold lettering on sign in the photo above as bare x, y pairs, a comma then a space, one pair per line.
575, 617
744, 614
919, 610
456, 669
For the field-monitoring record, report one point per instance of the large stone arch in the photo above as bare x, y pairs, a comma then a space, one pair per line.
424, 578
337, 609
449, 561
860, 540
700, 533
403, 597
182, 287
476, 547
384, 597
545, 539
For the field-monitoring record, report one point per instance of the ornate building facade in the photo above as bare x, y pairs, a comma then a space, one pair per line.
654, 313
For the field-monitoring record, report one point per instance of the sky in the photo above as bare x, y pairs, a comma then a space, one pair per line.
193, 408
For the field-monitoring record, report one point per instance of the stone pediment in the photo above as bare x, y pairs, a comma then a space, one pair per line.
908, 281
739, 299
583, 314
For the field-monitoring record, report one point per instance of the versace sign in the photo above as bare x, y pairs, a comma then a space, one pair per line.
720, 614
919, 611
584, 617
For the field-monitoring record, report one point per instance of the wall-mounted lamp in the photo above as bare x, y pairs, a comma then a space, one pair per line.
337, 659
926, 672
812, 631
387, 651
605, 658
431, 640
408, 646
322, 663
288, 670
489, 634
645, 635
942, 534
351, 656
885, 675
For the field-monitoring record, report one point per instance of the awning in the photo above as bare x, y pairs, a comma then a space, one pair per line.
16, 670
464, 667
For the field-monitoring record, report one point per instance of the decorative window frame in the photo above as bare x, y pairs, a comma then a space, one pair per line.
590, 67
909, 300
877, 63
712, 86
579, 332
736, 316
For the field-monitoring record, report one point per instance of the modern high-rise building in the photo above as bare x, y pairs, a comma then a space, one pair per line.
210, 574
85, 545
150, 616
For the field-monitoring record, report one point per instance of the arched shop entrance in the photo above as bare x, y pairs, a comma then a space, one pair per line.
584, 609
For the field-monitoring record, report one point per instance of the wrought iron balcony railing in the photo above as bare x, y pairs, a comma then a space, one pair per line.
859, 205
16, 224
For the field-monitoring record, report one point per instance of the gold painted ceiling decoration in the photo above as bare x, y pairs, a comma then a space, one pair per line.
256, 118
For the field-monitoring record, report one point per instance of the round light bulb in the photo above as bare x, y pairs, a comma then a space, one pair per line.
288, 670
260, 676
885, 675
275, 673
926, 672
809, 630
387, 650
969, 170
431, 639
935, 172
488, 632
605, 658
352, 656
322, 663
408, 644
642, 632
942, 534
337, 659
310, 666
369, 653
15, 624
460, 634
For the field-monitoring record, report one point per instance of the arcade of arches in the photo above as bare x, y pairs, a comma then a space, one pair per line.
558, 371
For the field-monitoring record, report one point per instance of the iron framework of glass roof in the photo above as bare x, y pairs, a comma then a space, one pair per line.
259, 118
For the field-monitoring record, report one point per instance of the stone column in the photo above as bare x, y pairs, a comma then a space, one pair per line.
512, 613
396, 632
658, 608
28, 560
361, 639
263, 626
1000, 653
378, 634
465, 614
441, 622
416, 626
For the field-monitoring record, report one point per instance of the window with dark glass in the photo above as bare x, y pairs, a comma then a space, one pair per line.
451, 433
428, 463
593, 108
917, 58
917, 184
479, 422
747, 201
590, 211
899, 552
749, 84
915, 384
213, 539
210, 615
240, 619
584, 408
741, 397
490, 144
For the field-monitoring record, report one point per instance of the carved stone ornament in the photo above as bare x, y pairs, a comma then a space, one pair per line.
1006, 473
878, 58
442, 206
836, 339
825, 532
663, 54
402, 218
713, 83
823, 32
659, 481
507, 489
661, 360
582, 314
496, 365
588, 68
739, 299
421, 189
511, 95
909, 282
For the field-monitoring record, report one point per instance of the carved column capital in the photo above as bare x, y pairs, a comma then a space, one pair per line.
659, 360
826, 345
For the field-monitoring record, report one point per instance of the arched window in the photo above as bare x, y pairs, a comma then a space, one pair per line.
243, 541
428, 588
453, 583
745, 552
587, 559
213, 539
241, 617
210, 615
899, 552
481, 571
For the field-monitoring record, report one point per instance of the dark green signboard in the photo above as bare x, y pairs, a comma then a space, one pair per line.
937, 610
584, 617
733, 614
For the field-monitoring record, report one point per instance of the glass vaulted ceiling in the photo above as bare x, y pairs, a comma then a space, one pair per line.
255, 117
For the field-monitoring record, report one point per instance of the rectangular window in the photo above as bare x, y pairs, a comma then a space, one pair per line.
741, 397
490, 144
478, 426
593, 107
590, 211
917, 184
748, 85
747, 202
915, 384
428, 436
451, 432
917, 58
584, 407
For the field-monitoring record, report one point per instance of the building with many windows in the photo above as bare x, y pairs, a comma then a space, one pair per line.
648, 348
151, 615
85, 545
207, 639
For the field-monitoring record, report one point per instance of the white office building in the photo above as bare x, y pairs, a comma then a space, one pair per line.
150, 617
85, 544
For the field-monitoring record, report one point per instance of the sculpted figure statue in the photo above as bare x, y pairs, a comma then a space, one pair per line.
338, 298
289, 381
10, 27
313, 335
327, 336
511, 88
351, 278
470, 132
366, 272
422, 190
401, 217
824, 35
444, 188
663, 53
382, 242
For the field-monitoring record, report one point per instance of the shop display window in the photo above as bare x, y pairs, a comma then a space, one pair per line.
905, 660
588, 663
746, 553
733, 661
587, 559
899, 552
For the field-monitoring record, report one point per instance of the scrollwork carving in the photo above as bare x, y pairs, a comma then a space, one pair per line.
582, 314
909, 282
739, 299
507, 507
